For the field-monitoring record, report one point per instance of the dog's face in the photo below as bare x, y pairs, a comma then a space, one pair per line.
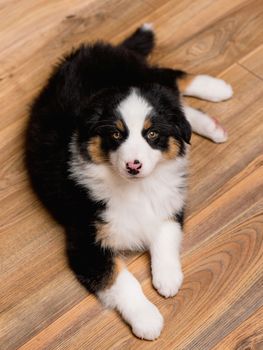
134, 130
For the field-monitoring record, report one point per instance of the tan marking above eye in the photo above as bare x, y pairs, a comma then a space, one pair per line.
147, 124
152, 135
120, 125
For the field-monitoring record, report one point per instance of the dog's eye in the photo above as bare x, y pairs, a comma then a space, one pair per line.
116, 135
152, 135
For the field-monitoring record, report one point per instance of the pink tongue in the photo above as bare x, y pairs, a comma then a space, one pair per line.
131, 165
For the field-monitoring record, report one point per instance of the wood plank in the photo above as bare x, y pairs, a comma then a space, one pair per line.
217, 47
233, 207
247, 336
57, 38
254, 62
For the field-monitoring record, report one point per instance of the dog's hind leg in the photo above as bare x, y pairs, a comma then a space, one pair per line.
204, 87
205, 125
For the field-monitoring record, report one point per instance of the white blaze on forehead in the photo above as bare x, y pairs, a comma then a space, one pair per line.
134, 109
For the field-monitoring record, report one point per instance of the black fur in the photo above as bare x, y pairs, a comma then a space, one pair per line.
179, 217
141, 41
88, 82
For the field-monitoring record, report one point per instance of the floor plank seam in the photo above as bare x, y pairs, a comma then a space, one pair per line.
249, 71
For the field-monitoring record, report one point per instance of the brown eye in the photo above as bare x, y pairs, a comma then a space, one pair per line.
116, 135
152, 135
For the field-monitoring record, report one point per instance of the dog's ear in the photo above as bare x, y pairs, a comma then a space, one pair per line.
186, 131
88, 119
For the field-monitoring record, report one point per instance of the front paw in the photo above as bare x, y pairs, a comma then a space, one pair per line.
146, 322
167, 280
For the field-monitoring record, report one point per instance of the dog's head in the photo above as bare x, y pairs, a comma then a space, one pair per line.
133, 130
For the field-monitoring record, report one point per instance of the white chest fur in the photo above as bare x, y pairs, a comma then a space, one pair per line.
135, 208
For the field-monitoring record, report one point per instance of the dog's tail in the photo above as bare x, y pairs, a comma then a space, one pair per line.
141, 41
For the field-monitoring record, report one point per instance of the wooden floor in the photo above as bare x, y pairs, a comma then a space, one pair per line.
220, 305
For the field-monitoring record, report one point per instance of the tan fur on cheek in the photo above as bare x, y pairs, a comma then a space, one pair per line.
173, 149
95, 151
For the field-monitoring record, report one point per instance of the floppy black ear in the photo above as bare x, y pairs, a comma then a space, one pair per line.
186, 131
88, 116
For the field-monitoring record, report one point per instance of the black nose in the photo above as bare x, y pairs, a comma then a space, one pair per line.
133, 171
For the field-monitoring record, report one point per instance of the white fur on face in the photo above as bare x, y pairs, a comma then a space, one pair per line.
134, 110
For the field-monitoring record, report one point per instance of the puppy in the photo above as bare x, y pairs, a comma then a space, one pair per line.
106, 151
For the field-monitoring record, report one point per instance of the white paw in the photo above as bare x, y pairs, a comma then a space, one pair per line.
217, 90
168, 280
216, 131
209, 88
146, 322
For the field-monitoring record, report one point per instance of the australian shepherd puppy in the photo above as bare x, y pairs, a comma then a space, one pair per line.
106, 152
